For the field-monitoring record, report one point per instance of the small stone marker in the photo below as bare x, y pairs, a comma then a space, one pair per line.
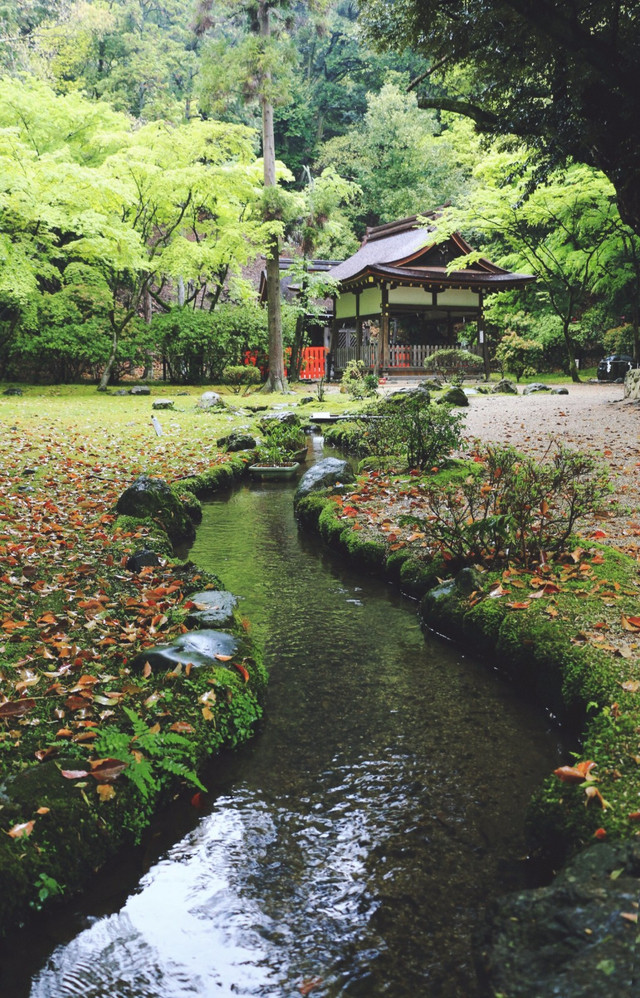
156, 425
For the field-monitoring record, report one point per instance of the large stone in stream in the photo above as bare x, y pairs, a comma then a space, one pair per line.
575, 938
213, 608
198, 648
152, 497
325, 473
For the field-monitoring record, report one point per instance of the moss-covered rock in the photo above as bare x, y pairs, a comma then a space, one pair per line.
152, 498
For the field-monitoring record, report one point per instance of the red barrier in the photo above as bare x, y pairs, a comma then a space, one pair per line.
313, 363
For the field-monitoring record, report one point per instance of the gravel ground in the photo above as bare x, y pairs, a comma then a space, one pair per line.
591, 418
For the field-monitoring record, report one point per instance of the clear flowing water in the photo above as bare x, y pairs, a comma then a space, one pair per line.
352, 848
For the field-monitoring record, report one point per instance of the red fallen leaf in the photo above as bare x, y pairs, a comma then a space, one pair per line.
575, 774
16, 708
634, 816
107, 770
598, 533
198, 800
597, 560
76, 702
308, 986
43, 754
74, 774
21, 831
242, 670
600, 833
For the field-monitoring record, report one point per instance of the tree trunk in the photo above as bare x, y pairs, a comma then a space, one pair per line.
106, 374
573, 369
276, 381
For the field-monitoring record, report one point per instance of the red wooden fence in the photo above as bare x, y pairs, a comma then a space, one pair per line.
311, 369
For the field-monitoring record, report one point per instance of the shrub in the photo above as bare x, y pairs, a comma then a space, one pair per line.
241, 376
619, 339
454, 361
411, 429
516, 509
517, 355
357, 381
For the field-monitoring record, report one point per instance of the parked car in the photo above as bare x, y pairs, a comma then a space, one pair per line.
615, 367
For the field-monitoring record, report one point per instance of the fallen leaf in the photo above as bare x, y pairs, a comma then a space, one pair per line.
21, 831
575, 774
107, 770
105, 791
631, 686
16, 708
242, 670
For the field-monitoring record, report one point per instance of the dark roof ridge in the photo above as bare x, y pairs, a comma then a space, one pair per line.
401, 225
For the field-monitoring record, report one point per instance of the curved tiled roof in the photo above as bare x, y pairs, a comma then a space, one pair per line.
395, 250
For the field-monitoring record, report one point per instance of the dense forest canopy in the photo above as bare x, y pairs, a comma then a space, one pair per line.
132, 191
562, 76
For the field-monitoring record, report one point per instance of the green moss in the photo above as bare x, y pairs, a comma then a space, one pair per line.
146, 532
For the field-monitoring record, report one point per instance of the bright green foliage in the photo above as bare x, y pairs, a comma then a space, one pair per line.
96, 216
562, 232
148, 753
401, 157
560, 76
420, 434
516, 354
241, 376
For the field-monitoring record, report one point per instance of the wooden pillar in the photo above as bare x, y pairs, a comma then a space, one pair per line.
482, 339
333, 342
384, 329
358, 328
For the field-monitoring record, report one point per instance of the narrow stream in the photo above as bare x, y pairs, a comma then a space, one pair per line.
352, 848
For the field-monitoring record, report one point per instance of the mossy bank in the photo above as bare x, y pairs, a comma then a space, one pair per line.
565, 634
95, 738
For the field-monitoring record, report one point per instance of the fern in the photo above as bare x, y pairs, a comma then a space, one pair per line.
146, 752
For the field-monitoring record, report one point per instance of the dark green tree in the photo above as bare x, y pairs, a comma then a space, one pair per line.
562, 76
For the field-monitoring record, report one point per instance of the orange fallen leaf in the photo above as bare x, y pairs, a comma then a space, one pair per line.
518, 606
223, 658
105, 791
575, 774
242, 670
21, 831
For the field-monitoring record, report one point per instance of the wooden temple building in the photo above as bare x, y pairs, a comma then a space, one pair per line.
398, 302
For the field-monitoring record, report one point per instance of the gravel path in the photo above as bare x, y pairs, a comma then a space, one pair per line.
591, 418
